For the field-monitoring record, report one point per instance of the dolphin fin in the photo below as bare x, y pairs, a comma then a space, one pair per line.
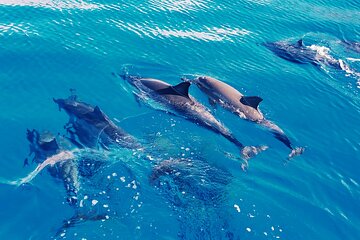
296, 152
251, 101
98, 113
300, 42
181, 89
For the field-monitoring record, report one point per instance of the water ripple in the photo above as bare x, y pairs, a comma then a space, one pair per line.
52, 4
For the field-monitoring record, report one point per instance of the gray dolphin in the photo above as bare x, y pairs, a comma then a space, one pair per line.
92, 126
177, 99
246, 107
299, 53
45, 145
352, 45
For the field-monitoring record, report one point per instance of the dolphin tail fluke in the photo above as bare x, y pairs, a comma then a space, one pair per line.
78, 219
248, 152
281, 136
277, 132
296, 152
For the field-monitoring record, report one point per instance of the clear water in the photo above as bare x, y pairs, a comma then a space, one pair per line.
47, 47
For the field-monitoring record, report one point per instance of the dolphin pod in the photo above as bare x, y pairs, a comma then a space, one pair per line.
246, 107
178, 100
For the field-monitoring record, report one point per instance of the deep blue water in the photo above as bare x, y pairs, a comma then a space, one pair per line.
48, 47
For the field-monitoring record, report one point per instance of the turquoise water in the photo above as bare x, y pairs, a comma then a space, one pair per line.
48, 47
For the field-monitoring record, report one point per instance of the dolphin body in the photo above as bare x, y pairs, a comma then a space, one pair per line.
92, 126
45, 145
246, 107
351, 45
177, 99
299, 53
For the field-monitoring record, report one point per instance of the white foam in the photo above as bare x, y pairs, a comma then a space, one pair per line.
353, 59
94, 202
237, 207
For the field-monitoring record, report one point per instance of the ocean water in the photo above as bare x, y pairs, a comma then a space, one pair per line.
50, 46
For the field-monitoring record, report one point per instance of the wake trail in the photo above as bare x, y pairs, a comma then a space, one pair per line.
60, 157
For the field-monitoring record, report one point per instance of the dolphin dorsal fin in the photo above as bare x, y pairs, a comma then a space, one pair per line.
98, 113
300, 43
181, 89
251, 101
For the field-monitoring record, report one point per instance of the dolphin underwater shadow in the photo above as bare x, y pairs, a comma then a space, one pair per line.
196, 191
176, 100
89, 126
246, 107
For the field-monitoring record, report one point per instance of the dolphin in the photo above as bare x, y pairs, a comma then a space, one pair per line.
293, 52
299, 53
351, 45
246, 107
45, 146
92, 126
178, 101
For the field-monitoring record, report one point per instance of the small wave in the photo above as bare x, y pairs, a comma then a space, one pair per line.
353, 59
53, 4
215, 34
261, 2
179, 5
21, 28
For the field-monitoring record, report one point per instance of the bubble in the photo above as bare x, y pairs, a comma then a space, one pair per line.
94, 202
237, 207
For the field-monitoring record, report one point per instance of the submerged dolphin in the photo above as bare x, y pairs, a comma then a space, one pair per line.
244, 106
190, 185
177, 99
46, 145
299, 53
92, 126
351, 45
